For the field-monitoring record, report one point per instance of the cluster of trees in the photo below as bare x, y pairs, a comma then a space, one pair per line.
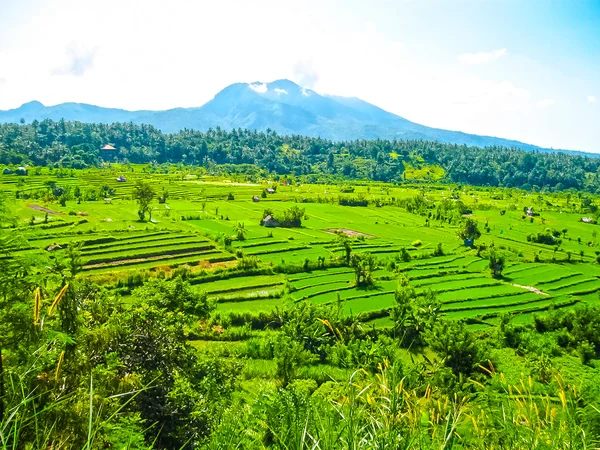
289, 218
76, 145
53, 192
548, 237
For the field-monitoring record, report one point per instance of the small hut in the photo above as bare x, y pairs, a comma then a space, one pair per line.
21, 171
270, 222
255, 199
530, 212
270, 191
587, 220
108, 152
121, 179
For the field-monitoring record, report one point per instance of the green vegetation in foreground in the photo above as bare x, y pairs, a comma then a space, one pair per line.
159, 313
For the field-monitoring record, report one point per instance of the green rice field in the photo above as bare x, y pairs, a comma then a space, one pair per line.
192, 233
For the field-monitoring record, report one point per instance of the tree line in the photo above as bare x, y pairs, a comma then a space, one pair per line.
77, 145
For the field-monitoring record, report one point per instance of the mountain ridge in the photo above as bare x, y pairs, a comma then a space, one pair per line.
280, 105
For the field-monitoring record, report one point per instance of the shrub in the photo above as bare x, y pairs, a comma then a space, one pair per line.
404, 255
248, 262
547, 238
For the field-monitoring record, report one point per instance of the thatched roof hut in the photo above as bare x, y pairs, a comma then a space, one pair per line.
270, 222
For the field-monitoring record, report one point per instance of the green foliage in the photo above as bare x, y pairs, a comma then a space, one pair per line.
549, 237
469, 230
497, 262
143, 194
162, 368
291, 217
42, 143
404, 255
248, 263
413, 314
174, 295
346, 243
290, 355
240, 231
457, 347
364, 264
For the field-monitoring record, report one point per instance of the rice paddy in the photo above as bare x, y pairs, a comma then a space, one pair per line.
192, 231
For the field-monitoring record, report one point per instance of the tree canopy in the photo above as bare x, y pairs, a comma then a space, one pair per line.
77, 145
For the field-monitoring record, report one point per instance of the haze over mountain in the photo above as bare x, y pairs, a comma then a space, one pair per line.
282, 106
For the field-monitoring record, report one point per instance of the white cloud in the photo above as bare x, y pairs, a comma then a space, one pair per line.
478, 95
280, 91
261, 88
591, 99
482, 57
545, 102
305, 73
79, 61
371, 28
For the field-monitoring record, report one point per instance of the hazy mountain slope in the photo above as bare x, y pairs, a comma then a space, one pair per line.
281, 105
68, 111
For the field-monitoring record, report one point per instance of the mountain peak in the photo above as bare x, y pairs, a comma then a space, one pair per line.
34, 104
284, 84
281, 105
278, 88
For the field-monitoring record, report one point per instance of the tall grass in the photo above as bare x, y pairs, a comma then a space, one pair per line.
382, 412
32, 422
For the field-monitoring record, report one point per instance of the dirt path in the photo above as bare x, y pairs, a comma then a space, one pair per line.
347, 232
37, 207
532, 289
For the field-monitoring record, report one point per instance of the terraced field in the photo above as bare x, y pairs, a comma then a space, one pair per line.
190, 230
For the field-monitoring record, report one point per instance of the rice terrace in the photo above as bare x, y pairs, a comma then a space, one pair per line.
309, 225
211, 224
392, 259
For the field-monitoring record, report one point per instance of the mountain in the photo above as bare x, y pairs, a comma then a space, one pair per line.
281, 105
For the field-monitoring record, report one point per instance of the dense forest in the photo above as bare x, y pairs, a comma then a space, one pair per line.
76, 145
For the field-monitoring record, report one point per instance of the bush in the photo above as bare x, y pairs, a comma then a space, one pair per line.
547, 238
260, 348
404, 255
247, 262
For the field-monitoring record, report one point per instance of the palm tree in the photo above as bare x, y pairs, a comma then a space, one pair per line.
240, 231
344, 240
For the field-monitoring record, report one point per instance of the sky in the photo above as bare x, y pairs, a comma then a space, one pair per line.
525, 69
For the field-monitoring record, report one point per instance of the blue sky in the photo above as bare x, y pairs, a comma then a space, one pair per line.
526, 70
